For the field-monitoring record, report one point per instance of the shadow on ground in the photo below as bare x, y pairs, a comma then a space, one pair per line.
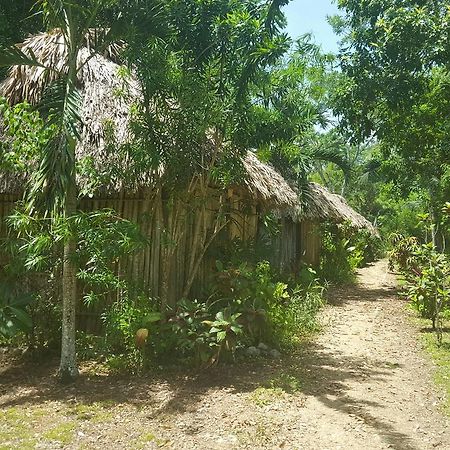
320, 373
341, 295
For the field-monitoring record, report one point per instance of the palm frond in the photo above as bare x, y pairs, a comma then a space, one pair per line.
49, 184
333, 155
14, 56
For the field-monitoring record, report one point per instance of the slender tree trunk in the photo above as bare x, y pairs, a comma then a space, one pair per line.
68, 369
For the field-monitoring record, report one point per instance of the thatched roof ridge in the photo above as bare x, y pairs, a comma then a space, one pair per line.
49, 48
107, 100
321, 204
109, 92
264, 182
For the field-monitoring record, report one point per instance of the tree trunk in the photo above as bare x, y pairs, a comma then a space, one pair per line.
68, 370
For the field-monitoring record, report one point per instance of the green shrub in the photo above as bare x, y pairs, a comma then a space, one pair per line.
204, 334
339, 258
14, 314
344, 249
428, 283
270, 310
427, 275
121, 323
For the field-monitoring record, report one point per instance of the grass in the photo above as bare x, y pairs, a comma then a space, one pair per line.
62, 433
94, 412
275, 389
146, 438
16, 429
288, 383
441, 358
33, 427
263, 396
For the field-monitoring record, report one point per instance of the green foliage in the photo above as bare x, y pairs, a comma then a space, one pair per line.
344, 249
270, 310
23, 135
121, 322
395, 87
427, 275
247, 307
206, 335
402, 253
367, 247
215, 59
339, 258
14, 316
35, 246
103, 239
292, 103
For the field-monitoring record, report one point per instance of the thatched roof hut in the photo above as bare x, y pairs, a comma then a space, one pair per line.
109, 92
264, 182
321, 204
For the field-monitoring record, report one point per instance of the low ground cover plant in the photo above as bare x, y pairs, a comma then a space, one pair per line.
344, 249
247, 307
426, 272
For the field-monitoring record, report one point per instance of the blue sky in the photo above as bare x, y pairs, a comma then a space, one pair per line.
306, 16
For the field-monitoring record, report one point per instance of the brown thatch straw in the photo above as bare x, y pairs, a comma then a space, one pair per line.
266, 183
323, 205
108, 95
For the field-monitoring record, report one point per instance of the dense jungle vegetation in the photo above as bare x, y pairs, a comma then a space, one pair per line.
219, 77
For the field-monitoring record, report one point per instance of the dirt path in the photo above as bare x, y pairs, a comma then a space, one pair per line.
363, 384
373, 388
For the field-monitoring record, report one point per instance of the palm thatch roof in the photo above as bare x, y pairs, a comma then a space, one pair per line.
108, 91
319, 203
324, 205
108, 96
264, 182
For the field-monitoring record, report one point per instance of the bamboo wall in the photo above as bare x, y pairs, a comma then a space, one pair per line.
147, 268
309, 242
297, 243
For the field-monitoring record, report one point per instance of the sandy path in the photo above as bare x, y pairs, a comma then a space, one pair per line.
364, 383
373, 387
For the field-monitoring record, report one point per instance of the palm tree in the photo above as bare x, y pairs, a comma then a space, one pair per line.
52, 187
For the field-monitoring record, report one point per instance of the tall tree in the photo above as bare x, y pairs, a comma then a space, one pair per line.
53, 188
291, 113
196, 111
395, 56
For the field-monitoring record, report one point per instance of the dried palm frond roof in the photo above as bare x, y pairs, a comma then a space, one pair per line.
107, 100
321, 204
108, 95
264, 182
109, 92
50, 49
